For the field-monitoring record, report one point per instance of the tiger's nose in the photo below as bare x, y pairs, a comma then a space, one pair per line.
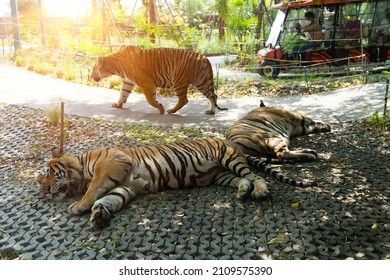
95, 78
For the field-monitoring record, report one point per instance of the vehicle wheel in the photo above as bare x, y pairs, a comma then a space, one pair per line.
269, 69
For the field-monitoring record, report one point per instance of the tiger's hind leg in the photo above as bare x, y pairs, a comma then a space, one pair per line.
212, 97
150, 95
181, 93
234, 161
208, 91
104, 208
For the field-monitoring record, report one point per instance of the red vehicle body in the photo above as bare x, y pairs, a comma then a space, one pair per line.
354, 32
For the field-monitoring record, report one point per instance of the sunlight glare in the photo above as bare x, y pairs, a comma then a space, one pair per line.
66, 8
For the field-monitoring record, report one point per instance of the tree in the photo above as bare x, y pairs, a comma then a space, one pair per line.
28, 8
242, 21
222, 12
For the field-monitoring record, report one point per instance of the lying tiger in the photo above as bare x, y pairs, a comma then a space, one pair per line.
117, 175
267, 131
160, 67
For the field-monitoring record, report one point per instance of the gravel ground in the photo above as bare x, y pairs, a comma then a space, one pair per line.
346, 216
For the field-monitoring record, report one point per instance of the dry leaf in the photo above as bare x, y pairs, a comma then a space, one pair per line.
295, 205
255, 219
280, 238
144, 222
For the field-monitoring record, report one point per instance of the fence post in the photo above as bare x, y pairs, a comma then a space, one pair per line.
307, 82
42, 23
386, 96
15, 24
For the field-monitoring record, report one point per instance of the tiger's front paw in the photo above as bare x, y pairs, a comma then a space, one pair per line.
308, 155
77, 208
304, 155
260, 189
117, 105
100, 216
244, 188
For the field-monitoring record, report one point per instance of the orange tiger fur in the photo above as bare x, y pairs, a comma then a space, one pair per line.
160, 67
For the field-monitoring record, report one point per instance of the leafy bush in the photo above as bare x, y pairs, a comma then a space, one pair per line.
378, 121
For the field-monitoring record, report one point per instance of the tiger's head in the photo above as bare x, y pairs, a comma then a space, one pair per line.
107, 66
304, 125
100, 70
298, 123
58, 182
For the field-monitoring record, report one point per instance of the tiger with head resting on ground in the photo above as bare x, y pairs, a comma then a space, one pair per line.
267, 131
128, 172
160, 67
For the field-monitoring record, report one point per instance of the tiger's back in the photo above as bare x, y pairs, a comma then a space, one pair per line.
171, 67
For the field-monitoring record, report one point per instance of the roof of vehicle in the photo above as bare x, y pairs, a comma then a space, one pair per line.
305, 3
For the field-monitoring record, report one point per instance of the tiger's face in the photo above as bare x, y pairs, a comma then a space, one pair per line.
304, 125
53, 186
56, 182
100, 70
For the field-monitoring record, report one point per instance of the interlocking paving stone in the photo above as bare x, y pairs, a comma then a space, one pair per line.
346, 216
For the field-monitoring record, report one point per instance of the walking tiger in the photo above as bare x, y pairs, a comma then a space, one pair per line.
160, 67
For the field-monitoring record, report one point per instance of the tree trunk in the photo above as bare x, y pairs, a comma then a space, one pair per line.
42, 23
152, 19
222, 14
14, 15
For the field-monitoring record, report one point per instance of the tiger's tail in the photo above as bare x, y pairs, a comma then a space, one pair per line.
220, 108
262, 165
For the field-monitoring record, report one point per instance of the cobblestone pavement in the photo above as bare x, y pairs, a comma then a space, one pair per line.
345, 216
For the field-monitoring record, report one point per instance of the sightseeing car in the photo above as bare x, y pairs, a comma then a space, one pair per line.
327, 33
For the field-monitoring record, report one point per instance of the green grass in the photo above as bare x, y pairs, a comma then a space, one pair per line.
149, 134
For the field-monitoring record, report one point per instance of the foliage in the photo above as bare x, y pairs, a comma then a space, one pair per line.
27, 8
290, 41
241, 20
378, 122
182, 24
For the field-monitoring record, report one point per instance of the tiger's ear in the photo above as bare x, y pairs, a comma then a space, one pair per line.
100, 62
40, 179
56, 152
262, 103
